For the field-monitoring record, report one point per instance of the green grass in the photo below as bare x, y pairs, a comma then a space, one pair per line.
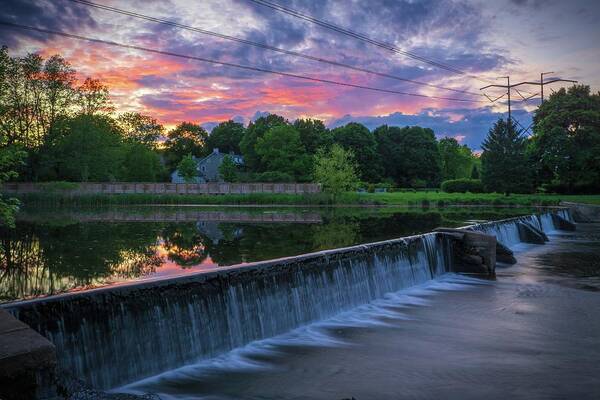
429, 198
441, 198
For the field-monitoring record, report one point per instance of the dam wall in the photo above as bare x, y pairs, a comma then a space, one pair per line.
118, 334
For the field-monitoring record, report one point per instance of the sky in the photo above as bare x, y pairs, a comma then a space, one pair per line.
483, 39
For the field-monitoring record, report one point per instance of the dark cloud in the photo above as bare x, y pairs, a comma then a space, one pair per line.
54, 15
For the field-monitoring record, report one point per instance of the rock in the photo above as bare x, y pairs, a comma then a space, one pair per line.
529, 234
562, 223
504, 254
27, 361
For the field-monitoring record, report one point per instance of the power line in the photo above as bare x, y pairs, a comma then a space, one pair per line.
264, 46
364, 38
228, 64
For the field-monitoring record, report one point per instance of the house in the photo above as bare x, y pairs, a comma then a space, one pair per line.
208, 167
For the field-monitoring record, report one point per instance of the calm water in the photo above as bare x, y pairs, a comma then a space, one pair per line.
533, 333
53, 251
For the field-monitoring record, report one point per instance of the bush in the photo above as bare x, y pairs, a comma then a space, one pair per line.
59, 186
462, 186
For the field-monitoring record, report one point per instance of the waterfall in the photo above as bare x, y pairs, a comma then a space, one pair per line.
507, 232
112, 336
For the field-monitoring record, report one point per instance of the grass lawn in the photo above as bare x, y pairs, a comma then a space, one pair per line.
424, 198
401, 198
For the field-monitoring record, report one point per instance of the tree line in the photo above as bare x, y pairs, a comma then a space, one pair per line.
56, 127
71, 131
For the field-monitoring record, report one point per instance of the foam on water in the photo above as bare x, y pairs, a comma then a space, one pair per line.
255, 355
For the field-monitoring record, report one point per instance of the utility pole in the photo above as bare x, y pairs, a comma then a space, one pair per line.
508, 93
507, 87
542, 84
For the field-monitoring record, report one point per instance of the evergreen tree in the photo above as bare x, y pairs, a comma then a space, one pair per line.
504, 162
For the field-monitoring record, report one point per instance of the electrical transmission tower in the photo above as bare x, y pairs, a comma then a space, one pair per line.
514, 86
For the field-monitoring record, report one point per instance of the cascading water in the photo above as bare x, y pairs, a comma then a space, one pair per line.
113, 336
507, 231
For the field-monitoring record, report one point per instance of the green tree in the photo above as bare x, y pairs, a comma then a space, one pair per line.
186, 138
456, 161
504, 162
89, 148
566, 142
313, 134
358, 139
187, 168
226, 137
141, 164
10, 157
280, 150
336, 170
255, 131
410, 155
139, 128
227, 169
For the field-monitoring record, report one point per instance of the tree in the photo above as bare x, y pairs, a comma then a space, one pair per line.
226, 137
139, 128
336, 170
34, 94
410, 155
313, 134
255, 131
94, 97
10, 157
280, 150
358, 139
188, 169
566, 142
456, 161
186, 138
89, 148
504, 162
227, 169
141, 164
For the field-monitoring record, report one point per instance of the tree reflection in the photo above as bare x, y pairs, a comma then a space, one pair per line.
184, 245
39, 260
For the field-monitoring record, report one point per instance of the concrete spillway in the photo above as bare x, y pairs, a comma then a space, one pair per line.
114, 335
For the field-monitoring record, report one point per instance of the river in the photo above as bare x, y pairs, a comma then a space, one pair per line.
533, 333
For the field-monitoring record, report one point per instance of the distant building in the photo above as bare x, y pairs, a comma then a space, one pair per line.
208, 167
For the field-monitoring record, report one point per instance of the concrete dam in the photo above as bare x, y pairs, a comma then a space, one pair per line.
114, 335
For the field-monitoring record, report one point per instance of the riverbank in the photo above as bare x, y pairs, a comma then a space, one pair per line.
421, 198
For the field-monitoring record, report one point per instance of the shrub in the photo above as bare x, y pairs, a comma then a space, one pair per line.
59, 186
462, 186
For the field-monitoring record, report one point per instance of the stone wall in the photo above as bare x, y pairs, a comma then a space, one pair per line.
163, 188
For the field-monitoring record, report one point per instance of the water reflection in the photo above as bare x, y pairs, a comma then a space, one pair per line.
58, 251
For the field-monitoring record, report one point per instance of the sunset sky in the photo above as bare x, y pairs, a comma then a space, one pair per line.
487, 39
